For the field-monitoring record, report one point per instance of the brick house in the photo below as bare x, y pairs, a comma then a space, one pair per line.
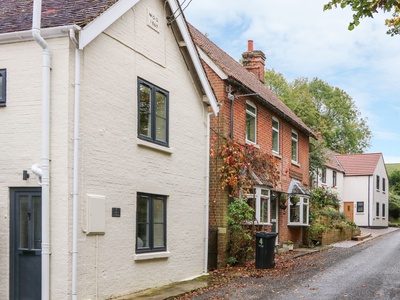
251, 114
104, 109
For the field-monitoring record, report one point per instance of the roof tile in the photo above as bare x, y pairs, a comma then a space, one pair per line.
16, 15
237, 72
359, 164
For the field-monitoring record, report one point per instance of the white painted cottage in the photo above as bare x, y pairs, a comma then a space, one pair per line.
362, 183
104, 110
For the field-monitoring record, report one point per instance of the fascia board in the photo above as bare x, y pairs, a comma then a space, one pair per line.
195, 57
212, 65
101, 23
47, 33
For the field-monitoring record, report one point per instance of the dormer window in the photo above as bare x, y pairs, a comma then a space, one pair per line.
295, 147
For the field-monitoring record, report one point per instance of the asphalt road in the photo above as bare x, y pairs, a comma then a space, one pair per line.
367, 271
373, 272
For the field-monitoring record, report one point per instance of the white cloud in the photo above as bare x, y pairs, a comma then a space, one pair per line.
300, 40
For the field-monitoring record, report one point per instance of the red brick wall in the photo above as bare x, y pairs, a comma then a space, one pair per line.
220, 130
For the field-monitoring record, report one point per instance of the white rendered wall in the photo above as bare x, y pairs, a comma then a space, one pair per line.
20, 142
115, 165
356, 190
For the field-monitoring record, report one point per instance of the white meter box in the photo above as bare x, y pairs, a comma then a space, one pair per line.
96, 214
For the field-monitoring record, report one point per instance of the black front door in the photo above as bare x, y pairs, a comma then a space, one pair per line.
25, 244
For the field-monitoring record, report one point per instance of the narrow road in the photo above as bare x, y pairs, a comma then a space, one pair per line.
367, 271
372, 273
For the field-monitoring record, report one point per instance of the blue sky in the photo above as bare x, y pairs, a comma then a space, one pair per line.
299, 39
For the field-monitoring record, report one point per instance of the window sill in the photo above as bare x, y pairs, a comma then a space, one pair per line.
295, 163
298, 224
277, 155
146, 144
253, 144
152, 255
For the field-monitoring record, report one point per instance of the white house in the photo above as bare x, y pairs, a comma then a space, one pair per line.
362, 184
331, 177
366, 189
104, 114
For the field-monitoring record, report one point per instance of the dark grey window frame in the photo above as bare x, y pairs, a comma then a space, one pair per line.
383, 210
334, 178
3, 78
360, 206
377, 182
151, 247
377, 209
154, 89
383, 185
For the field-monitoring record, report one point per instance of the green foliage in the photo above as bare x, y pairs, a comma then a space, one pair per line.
323, 197
391, 167
394, 207
241, 236
394, 182
325, 214
326, 109
367, 8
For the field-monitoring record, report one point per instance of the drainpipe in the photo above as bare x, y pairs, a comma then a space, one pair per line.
207, 192
45, 161
76, 167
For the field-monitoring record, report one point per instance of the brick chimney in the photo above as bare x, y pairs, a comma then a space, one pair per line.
254, 61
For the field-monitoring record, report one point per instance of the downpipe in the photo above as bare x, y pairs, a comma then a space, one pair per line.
45, 160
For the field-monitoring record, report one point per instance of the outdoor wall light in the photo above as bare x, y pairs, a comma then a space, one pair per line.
25, 175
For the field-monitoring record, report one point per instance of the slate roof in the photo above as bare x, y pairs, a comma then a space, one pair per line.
359, 164
16, 15
237, 72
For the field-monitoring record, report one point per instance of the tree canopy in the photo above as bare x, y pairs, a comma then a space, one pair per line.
367, 8
323, 108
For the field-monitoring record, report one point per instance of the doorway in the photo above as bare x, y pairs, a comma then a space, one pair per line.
274, 214
348, 208
25, 243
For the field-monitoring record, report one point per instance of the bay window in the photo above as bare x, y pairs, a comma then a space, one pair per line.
299, 212
261, 199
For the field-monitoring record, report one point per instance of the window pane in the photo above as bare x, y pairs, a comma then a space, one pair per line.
294, 150
295, 213
158, 211
264, 210
159, 235
250, 128
275, 141
305, 208
143, 221
383, 210
161, 117
23, 222
145, 111
37, 225
251, 108
143, 236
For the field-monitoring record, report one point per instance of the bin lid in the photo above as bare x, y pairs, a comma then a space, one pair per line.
266, 234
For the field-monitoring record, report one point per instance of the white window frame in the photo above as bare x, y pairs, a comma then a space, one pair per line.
259, 196
252, 115
304, 203
296, 141
275, 130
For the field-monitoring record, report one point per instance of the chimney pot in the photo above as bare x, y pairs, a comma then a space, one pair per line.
250, 46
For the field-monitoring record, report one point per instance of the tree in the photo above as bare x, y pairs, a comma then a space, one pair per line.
326, 109
367, 8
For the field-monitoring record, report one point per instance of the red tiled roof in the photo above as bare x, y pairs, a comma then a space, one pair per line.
359, 164
237, 72
16, 15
